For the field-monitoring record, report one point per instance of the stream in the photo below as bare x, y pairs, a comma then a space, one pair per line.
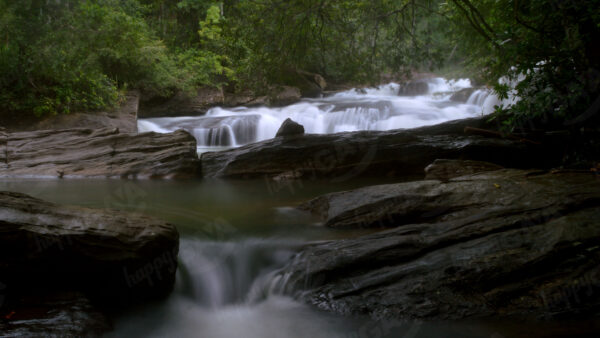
235, 235
353, 110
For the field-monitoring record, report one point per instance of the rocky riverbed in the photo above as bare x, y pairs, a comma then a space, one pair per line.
492, 244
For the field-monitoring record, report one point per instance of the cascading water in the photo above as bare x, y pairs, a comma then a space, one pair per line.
357, 109
220, 293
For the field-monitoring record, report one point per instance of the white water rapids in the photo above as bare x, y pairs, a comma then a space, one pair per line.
365, 109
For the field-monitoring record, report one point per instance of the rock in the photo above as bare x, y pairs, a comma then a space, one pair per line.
414, 88
462, 95
285, 95
310, 84
497, 244
395, 153
245, 98
182, 104
113, 257
290, 128
444, 170
320, 81
123, 118
61, 314
98, 153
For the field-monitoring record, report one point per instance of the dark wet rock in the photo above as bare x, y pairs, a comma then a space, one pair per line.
444, 170
60, 314
395, 153
182, 104
414, 88
290, 128
462, 95
502, 243
113, 257
98, 153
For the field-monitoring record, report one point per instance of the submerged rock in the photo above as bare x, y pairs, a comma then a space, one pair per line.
395, 153
98, 153
290, 128
502, 243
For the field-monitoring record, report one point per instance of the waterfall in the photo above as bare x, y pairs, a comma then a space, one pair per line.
378, 108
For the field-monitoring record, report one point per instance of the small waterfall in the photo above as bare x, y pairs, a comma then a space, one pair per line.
217, 274
377, 108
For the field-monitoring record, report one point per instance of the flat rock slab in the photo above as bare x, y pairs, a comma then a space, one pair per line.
502, 243
113, 257
98, 153
396, 153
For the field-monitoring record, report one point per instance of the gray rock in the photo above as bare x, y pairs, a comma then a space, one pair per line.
444, 170
284, 95
113, 257
290, 128
182, 104
462, 95
98, 153
502, 243
414, 88
123, 118
395, 153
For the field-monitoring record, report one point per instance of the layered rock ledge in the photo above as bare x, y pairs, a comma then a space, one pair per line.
62, 259
98, 153
500, 243
396, 153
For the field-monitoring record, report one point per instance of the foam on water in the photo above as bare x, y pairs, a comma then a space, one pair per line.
377, 108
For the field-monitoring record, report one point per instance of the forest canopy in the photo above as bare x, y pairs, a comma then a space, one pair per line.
60, 56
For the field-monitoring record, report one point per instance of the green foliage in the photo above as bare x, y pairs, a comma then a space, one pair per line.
59, 57
342, 40
68, 55
548, 46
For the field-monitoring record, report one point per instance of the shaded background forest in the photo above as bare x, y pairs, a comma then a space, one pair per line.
61, 56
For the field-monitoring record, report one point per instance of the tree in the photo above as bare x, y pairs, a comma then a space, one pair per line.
547, 46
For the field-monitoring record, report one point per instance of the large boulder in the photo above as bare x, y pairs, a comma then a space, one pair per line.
112, 256
98, 153
182, 104
284, 95
290, 128
123, 117
462, 95
414, 88
60, 264
395, 153
502, 243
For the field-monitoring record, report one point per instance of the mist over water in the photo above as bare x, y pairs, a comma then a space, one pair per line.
378, 108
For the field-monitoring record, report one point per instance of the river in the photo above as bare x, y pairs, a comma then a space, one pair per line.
236, 234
